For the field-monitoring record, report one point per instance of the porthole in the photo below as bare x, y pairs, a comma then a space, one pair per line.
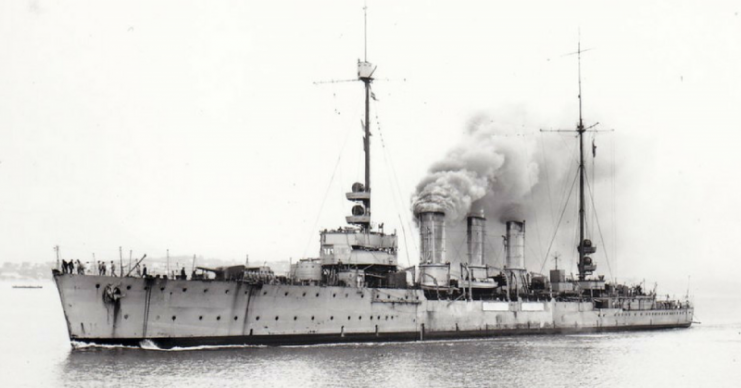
146, 288
218, 318
360, 318
317, 294
348, 317
185, 289
312, 317
173, 317
162, 288
333, 295
264, 292
200, 318
205, 290
126, 316
345, 295
295, 318
331, 318
226, 291
378, 317
257, 318
128, 287
387, 317
276, 317
97, 286
304, 294
362, 295
378, 296
371, 317
286, 294
235, 318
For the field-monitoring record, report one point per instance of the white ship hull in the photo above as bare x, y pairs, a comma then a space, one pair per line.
201, 312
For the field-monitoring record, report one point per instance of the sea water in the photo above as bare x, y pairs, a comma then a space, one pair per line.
35, 352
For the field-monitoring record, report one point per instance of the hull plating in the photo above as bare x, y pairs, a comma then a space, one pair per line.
193, 313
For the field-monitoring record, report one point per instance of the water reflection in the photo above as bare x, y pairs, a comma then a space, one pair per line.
515, 361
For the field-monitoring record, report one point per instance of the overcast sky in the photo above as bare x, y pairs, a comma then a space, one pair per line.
198, 127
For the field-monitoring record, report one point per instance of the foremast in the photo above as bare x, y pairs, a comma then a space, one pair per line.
360, 256
361, 194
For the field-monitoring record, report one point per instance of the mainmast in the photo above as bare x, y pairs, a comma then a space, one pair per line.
585, 247
361, 193
586, 266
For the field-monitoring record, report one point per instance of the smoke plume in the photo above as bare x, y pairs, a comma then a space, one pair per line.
492, 169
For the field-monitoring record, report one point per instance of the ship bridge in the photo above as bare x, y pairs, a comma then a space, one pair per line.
357, 246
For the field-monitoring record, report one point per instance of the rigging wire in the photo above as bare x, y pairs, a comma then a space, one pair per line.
548, 181
499, 256
563, 198
599, 228
326, 193
393, 179
575, 238
532, 206
614, 209
573, 183
594, 158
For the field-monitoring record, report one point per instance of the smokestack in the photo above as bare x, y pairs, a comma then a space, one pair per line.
515, 245
432, 236
475, 238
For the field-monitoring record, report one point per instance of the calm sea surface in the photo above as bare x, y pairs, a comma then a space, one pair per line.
35, 352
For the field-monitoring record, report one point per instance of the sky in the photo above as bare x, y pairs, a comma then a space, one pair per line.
216, 128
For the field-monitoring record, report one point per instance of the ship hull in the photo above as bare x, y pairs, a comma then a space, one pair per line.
316, 339
185, 313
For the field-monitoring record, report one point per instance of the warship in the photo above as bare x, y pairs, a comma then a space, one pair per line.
356, 291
